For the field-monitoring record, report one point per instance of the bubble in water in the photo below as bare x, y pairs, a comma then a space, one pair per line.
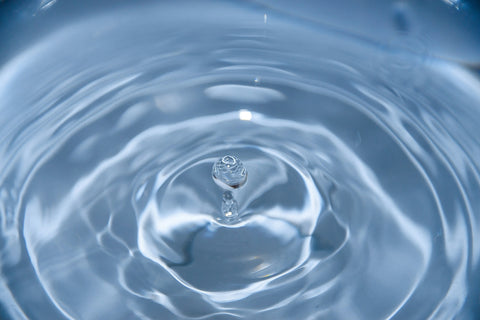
229, 173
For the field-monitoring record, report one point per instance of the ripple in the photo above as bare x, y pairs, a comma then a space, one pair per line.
361, 200
243, 94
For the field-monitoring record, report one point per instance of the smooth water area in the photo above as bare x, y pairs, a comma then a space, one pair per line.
230, 161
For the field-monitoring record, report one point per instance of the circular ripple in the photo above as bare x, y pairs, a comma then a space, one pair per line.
179, 229
361, 201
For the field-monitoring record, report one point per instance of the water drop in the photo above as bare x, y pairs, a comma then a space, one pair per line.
229, 173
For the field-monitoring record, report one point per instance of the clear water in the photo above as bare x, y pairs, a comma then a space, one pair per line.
362, 199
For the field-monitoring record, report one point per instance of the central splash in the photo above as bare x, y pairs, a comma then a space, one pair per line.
230, 174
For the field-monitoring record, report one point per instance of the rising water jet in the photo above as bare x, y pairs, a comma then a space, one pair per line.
229, 173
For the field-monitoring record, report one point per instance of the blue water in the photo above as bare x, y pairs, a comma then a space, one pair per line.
358, 191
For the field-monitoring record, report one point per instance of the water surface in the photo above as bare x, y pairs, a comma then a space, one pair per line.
362, 156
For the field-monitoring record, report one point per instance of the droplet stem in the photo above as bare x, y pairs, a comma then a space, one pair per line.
229, 207
229, 173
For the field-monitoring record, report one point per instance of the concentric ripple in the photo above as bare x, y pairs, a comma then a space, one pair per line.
362, 194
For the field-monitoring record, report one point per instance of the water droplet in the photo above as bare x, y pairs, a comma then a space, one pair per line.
229, 173
265, 18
